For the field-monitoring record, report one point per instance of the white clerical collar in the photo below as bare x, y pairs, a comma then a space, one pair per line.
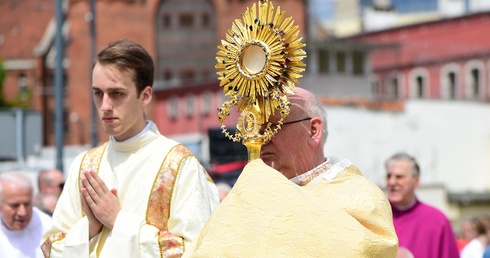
306, 177
325, 171
408, 206
149, 123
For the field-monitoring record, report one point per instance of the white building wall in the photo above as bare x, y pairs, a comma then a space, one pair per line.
451, 8
450, 139
479, 5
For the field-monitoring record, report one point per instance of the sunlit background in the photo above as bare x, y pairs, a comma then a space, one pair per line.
394, 75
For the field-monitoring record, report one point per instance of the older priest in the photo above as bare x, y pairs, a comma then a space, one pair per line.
293, 202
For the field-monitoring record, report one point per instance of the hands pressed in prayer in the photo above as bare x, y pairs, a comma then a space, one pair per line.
100, 204
94, 225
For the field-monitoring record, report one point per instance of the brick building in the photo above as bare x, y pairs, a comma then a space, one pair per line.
181, 35
447, 59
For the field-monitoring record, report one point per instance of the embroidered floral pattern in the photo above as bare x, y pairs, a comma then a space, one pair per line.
90, 162
312, 174
46, 246
170, 246
158, 211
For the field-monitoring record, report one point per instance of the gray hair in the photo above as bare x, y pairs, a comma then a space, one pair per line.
314, 108
405, 157
18, 178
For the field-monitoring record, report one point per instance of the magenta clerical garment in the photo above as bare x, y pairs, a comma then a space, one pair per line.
425, 231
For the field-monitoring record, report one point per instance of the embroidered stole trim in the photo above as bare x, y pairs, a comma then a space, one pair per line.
90, 161
46, 246
314, 173
158, 211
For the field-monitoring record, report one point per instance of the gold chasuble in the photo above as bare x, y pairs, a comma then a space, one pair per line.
267, 215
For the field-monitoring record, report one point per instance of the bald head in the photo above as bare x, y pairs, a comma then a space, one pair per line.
51, 181
298, 145
306, 104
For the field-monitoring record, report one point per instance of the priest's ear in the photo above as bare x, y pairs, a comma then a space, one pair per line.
316, 126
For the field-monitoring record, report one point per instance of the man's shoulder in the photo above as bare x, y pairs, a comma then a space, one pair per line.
43, 220
430, 210
353, 177
99, 147
350, 185
427, 214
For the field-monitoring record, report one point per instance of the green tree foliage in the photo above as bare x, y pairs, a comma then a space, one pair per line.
23, 98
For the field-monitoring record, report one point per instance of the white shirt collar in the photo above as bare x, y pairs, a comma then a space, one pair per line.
147, 127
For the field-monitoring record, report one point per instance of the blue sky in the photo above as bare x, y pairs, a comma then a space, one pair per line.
321, 9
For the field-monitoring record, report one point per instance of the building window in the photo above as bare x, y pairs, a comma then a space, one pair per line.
475, 83
205, 20
323, 61
167, 75
186, 20
207, 75
206, 102
340, 60
177, 48
394, 92
419, 87
358, 62
375, 88
24, 94
189, 105
166, 21
22, 81
473, 79
451, 78
173, 107
188, 76
449, 88
419, 83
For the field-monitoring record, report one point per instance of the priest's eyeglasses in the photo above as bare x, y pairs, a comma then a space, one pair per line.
273, 125
296, 121
292, 122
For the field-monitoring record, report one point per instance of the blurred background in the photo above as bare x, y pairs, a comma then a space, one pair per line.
394, 75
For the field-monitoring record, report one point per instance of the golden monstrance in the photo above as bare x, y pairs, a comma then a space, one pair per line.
259, 63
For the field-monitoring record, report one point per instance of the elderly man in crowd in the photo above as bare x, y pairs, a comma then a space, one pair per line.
22, 224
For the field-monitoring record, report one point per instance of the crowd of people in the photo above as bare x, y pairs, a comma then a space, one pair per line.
142, 194
474, 239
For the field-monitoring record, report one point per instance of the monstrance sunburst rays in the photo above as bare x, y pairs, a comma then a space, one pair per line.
258, 65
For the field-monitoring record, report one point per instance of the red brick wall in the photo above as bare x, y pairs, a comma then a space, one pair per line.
115, 19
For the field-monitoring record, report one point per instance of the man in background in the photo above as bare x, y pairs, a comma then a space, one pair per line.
421, 228
50, 183
22, 224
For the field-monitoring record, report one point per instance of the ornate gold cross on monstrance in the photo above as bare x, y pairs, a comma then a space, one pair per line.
258, 65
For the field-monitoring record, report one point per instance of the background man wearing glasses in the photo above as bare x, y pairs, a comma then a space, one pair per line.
50, 183
293, 202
